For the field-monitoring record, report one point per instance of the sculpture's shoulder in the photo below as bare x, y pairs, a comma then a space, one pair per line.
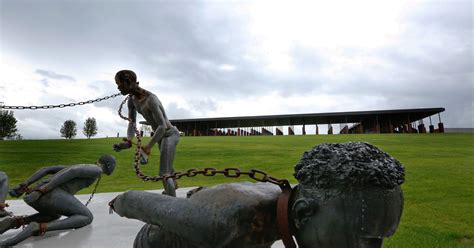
86, 167
244, 212
244, 193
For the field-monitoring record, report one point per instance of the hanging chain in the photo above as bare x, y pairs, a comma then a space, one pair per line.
93, 191
256, 175
59, 105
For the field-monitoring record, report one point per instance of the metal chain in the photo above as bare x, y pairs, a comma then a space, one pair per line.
254, 174
93, 191
59, 105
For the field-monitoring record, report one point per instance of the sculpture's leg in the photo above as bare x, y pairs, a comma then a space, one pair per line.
3, 193
27, 232
167, 152
11, 222
170, 187
56, 202
62, 203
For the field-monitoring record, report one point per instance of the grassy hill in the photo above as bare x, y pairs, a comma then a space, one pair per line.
439, 195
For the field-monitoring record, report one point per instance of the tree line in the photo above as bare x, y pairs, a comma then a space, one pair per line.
68, 130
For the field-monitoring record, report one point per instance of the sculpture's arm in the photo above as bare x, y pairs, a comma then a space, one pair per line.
41, 173
79, 171
178, 215
132, 115
157, 112
20, 189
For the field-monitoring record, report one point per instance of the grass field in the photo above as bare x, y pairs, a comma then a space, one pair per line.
439, 195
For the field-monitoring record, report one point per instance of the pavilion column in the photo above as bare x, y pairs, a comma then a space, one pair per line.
414, 127
409, 127
344, 129
291, 131
278, 131
360, 128
440, 127
440, 124
304, 130
432, 130
377, 125
421, 127
317, 130
390, 126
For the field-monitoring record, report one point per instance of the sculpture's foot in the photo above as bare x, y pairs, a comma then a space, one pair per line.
31, 229
170, 187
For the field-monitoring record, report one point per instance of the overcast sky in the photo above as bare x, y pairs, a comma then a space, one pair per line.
239, 58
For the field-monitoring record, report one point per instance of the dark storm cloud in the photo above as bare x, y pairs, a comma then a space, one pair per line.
54, 75
176, 41
198, 50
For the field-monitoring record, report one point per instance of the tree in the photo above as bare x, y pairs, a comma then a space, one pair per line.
7, 124
68, 130
90, 127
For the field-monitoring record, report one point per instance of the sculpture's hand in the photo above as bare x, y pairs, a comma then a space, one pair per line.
144, 152
18, 190
147, 149
121, 146
32, 197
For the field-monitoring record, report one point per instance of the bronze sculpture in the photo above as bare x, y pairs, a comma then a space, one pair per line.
54, 197
348, 195
150, 107
3, 194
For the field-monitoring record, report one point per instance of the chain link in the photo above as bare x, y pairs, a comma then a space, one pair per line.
93, 192
254, 174
63, 105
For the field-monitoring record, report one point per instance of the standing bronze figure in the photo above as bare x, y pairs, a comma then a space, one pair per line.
149, 106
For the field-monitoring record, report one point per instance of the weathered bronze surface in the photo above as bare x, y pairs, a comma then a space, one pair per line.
348, 195
53, 197
3, 194
164, 133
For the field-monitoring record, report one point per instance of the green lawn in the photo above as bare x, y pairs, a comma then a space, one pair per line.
439, 197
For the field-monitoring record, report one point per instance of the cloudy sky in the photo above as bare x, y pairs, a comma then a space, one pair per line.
239, 58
